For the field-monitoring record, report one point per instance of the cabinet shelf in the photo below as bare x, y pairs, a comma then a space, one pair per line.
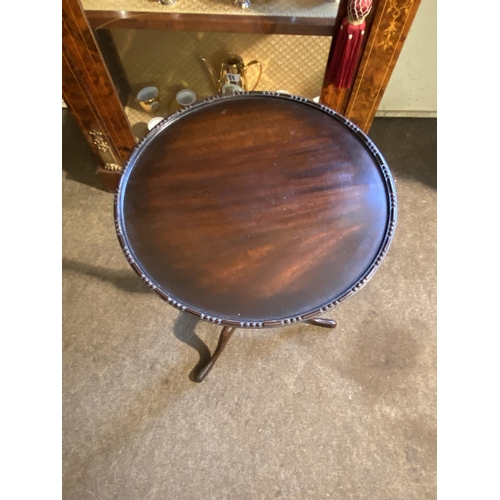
280, 17
268, 25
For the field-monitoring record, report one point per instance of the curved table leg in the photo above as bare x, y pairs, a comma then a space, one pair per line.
325, 323
225, 335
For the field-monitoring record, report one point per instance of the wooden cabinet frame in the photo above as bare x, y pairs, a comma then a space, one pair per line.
92, 97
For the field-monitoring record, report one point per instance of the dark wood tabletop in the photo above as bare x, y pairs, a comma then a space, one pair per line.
255, 210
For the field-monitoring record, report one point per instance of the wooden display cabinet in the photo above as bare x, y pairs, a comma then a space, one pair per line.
111, 47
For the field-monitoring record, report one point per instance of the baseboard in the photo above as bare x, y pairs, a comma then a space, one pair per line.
405, 114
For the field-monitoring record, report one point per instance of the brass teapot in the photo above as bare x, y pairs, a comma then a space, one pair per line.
232, 76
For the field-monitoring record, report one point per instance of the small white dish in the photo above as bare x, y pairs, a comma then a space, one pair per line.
154, 121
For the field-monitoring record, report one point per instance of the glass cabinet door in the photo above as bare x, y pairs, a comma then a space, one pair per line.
197, 48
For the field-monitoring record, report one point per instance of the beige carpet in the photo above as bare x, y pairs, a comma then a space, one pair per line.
294, 413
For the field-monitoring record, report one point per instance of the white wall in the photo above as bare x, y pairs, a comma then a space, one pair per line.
412, 89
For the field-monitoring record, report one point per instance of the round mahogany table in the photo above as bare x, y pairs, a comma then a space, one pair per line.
255, 210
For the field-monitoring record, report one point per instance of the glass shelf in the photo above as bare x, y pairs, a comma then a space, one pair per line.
301, 17
287, 8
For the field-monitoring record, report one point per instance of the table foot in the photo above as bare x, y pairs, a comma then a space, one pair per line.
225, 335
325, 323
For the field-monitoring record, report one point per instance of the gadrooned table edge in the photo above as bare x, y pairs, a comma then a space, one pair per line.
366, 276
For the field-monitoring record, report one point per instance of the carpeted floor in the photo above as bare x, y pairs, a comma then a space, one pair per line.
294, 413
